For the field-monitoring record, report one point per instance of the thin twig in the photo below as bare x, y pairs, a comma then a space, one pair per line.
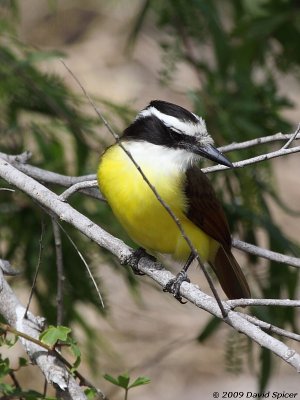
37, 266
67, 181
8, 328
52, 367
45, 388
262, 302
270, 328
6, 190
52, 350
292, 138
254, 160
98, 112
21, 158
261, 140
264, 253
16, 383
60, 272
153, 189
14, 379
85, 264
76, 187
51, 177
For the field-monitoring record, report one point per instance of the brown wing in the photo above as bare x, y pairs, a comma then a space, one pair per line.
204, 209
206, 212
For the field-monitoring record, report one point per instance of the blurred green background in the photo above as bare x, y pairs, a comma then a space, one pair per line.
236, 64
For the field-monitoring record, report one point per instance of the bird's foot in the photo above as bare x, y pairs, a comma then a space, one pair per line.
173, 286
134, 258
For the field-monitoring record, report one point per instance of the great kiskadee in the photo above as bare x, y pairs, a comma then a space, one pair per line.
167, 141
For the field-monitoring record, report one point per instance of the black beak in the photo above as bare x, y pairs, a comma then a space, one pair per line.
213, 154
208, 151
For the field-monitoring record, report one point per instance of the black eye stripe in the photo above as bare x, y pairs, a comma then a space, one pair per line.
151, 129
179, 136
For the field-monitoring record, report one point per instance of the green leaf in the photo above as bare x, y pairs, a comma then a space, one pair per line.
123, 380
51, 335
141, 380
90, 393
111, 379
77, 353
4, 367
6, 389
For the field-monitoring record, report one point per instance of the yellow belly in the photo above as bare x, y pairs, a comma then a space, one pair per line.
143, 217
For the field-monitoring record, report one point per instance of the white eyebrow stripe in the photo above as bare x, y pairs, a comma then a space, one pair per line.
186, 127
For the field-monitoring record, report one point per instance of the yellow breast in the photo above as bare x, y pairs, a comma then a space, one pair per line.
135, 205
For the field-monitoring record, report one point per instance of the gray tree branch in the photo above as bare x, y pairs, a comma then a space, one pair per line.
50, 177
264, 253
254, 160
51, 202
271, 328
54, 370
20, 162
263, 302
278, 137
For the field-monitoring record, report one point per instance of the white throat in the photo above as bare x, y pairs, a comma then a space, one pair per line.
159, 157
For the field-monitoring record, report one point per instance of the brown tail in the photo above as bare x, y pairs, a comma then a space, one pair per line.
230, 275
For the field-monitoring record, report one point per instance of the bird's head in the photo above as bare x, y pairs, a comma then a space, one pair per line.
169, 125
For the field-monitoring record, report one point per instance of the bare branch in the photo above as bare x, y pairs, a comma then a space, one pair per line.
254, 160
261, 140
292, 138
98, 112
54, 370
19, 161
37, 269
65, 212
60, 272
51, 202
207, 303
270, 328
22, 158
85, 264
51, 177
263, 302
76, 187
264, 253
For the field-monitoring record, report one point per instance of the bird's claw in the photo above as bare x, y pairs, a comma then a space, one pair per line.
173, 286
134, 258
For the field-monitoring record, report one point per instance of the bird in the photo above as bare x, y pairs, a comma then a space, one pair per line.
167, 142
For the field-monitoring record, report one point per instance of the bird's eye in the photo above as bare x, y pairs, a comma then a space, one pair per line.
174, 132
171, 134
